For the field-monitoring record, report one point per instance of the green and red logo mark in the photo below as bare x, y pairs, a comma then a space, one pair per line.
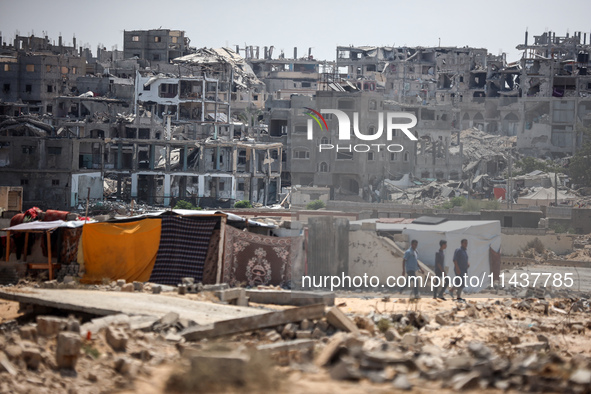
315, 114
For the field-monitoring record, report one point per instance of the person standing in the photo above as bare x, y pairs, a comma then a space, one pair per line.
461, 266
440, 270
410, 266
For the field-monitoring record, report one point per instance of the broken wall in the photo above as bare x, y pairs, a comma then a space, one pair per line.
512, 244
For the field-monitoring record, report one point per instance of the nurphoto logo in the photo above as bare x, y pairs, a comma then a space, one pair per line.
392, 120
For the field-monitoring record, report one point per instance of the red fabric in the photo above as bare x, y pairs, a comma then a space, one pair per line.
499, 193
51, 215
32, 213
17, 219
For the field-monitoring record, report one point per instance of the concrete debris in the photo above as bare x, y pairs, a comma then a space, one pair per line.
339, 320
6, 365
116, 338
67, 350
441, 345
48, 326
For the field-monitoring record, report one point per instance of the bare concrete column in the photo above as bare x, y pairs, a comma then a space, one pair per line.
328, 246
166, 190
134, 182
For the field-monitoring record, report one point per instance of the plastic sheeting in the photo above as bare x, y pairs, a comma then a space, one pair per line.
120, 250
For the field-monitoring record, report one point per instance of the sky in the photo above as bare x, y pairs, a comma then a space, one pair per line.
497, 25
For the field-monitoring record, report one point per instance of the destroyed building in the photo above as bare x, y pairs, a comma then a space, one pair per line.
34, 72
283, 76
155, 46
149, 135
240, 85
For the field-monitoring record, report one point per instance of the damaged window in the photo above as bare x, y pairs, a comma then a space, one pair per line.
301, 154
240, 186
344, 155
28, 88
300, 129
168, 90
24, 182
156, 56
346, 104
55, 182
242, 158
278, 127
49, 88
157, 39
7, 67
6, 88
28, 149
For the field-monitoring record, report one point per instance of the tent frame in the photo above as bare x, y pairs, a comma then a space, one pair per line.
37, 266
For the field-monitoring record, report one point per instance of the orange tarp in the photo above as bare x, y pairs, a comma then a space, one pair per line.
120, 250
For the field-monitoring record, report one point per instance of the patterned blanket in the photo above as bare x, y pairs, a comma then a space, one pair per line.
69, 244
251, 259
184, 243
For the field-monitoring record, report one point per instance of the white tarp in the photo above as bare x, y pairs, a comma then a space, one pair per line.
544, 196
481, 234
43, 226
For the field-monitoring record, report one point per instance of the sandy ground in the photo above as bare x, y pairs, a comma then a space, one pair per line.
8, 311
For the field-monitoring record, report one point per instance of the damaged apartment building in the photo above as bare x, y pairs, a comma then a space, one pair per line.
284, 76
148, 135
353, 169
33, 72
540, 99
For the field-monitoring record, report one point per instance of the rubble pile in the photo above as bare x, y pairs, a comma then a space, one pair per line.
527, 343
113, 208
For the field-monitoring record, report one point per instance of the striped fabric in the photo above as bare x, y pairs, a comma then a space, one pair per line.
184, 243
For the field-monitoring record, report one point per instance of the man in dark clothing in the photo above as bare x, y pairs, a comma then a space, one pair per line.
461, 266
440, 270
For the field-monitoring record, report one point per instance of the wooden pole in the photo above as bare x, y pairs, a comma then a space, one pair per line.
26, 247
218, 277
7, 246
49, 254
87, 202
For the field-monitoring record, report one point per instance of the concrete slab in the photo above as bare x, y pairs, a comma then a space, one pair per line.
110, 302
290, 297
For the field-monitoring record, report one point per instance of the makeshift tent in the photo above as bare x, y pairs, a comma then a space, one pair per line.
254, 260
183, 248
120, 250
544, 197
481, 235
161, 247
46, 228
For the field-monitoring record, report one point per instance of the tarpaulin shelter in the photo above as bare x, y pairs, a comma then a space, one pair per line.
545, 196
482, 235
39, 227
164, 247
161, 247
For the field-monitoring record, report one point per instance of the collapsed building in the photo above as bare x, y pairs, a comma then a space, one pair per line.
159, 97
151, 134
